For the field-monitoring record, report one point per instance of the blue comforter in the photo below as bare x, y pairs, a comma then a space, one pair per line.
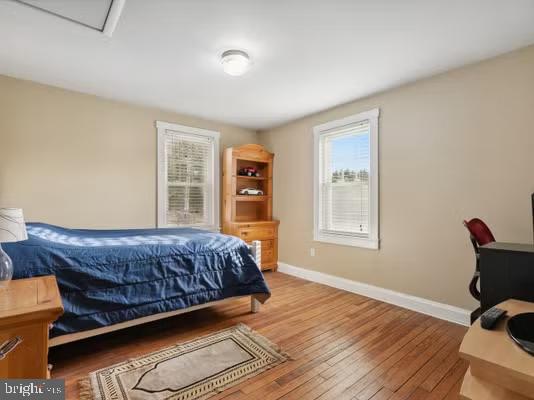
107, 277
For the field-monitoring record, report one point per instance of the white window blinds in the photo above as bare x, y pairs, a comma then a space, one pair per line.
188, 171
346, 181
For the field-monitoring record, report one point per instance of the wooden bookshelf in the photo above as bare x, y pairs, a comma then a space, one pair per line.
250, 216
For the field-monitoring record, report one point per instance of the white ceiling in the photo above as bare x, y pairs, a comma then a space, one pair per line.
92, 13
308, 54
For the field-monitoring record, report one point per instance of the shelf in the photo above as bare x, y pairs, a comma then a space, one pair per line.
245, 221
252, 159
251, 178
241, 197
474, 388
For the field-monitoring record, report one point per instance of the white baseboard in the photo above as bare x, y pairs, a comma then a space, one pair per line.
424, 306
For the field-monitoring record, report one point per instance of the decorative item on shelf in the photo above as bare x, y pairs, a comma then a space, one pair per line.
251, 192
249, 171
12, 229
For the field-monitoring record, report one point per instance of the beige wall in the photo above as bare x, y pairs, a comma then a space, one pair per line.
82, 161
451, 147
454, 146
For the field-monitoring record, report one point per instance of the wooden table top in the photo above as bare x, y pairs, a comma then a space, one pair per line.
32, 298
496, 349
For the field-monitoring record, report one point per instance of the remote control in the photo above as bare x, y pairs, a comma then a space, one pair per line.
491, 317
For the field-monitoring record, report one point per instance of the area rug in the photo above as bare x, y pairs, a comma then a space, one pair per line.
194, 370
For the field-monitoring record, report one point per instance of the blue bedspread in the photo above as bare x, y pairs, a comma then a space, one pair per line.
111, 276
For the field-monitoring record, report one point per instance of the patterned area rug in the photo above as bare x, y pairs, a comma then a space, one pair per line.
193, 370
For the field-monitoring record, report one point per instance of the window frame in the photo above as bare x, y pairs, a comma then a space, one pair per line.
162, 183
372, 241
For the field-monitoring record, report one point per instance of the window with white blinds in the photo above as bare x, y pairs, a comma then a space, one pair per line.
346, 181
188, 171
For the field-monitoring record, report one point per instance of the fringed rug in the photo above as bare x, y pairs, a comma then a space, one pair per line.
193, 370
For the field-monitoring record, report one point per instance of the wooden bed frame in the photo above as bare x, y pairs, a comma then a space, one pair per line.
255, 301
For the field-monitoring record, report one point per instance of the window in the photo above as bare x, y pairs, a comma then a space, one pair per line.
346, 181
188, 177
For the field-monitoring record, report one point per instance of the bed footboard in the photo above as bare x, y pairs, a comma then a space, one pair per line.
255, 248
254, 305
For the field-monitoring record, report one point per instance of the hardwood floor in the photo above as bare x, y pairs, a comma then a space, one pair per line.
344, 346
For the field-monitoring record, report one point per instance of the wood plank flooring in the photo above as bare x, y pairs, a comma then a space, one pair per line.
344, 346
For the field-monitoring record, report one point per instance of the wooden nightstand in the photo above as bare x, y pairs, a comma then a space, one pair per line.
27, 308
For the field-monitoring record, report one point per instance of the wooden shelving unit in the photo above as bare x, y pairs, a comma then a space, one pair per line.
250, 216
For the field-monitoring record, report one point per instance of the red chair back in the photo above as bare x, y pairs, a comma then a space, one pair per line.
480, 235
479, 231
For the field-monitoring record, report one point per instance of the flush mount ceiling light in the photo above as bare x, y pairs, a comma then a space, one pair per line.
235, 62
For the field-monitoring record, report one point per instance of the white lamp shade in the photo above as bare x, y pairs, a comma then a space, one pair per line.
12, 226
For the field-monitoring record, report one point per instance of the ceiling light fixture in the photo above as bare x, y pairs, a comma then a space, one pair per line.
235, 62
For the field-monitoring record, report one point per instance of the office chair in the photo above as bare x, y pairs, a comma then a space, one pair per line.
480, 235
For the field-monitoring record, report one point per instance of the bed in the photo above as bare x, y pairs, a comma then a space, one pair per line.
111, 279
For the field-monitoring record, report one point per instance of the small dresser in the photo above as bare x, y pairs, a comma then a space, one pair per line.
264, 231
27, 309
248, 199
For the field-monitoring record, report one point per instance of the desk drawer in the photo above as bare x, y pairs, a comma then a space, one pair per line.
267, 256
257, 233
34, 347
267, 245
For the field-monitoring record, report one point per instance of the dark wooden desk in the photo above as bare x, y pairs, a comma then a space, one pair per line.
506, 272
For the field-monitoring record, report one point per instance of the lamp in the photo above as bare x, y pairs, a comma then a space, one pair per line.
12, 229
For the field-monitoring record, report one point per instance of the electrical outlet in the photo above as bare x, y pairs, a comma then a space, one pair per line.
312, 252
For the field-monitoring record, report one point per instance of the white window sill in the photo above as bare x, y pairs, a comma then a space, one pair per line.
347, 241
